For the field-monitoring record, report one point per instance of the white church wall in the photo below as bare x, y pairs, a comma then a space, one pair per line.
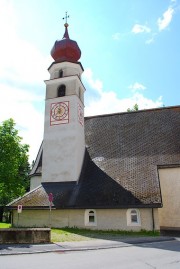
112, 219
69, 82
68, 69
64, 145
35, 181
116, 219
156, 219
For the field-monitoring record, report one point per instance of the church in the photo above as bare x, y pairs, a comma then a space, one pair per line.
107, 172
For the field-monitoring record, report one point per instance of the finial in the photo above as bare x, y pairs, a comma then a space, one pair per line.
65, 18
66, 35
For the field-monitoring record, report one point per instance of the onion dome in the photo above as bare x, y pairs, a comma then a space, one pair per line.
66, 49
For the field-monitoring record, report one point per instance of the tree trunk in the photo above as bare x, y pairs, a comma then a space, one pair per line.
9, 217
1, 213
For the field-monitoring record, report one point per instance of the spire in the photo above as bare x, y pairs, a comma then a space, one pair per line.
66, 35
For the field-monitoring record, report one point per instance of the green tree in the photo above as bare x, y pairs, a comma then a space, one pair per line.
14, 165
135, 108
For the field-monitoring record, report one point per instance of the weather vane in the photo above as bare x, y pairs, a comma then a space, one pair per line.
66, 17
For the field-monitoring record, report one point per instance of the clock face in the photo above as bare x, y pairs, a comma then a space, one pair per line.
59, 113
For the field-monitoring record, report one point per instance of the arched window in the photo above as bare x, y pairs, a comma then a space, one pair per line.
61, 91
133, 217
60, 73
90, 217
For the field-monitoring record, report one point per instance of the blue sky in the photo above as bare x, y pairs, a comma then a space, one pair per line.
130, 54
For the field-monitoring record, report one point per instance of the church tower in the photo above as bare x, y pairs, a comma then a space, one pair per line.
64, 142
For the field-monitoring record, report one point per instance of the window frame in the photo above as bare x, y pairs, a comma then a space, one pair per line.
130, 214
90, 213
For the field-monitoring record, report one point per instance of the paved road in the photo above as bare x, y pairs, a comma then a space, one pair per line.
160, 255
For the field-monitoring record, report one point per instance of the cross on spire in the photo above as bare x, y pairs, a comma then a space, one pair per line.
66, 35
66, 17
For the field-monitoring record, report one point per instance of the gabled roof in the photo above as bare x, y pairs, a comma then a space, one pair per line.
120, 164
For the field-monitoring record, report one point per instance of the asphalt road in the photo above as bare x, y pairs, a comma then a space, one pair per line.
160, 255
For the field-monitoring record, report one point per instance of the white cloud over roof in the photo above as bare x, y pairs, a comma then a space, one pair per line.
109, 102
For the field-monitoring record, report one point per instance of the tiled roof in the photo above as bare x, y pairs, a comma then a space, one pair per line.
129, 146
94, 189
120, 166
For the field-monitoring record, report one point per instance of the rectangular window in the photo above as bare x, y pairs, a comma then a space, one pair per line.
91, 219
134, 218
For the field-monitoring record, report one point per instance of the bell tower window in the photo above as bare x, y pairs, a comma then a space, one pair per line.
60, 74
61, 91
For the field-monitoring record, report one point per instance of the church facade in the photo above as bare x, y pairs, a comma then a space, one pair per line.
111, 172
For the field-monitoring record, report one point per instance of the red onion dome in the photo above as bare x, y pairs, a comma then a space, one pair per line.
66, 49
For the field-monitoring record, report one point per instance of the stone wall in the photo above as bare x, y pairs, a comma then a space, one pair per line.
25, 236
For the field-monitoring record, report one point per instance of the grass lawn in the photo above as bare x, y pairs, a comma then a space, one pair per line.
74, 234
5, 225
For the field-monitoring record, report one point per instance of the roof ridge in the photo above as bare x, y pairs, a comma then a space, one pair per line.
132, 112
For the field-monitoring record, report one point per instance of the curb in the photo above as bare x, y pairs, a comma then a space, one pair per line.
85, 248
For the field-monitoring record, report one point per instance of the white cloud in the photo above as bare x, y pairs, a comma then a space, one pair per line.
137, 86
23, 65
18, 104
166, 19
109, 102
116, 36
138, 28
150, 40
20, 61
95, 84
